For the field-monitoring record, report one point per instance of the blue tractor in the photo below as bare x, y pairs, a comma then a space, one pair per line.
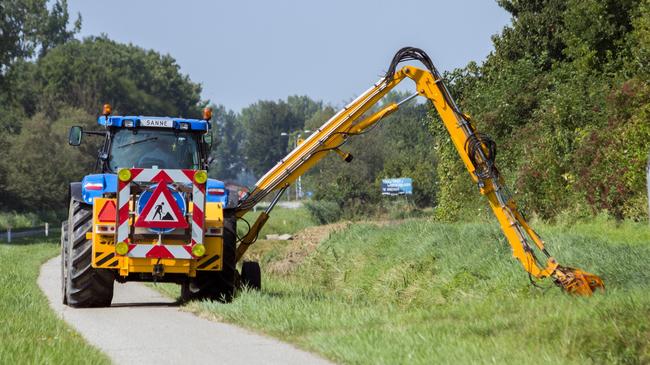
149, 213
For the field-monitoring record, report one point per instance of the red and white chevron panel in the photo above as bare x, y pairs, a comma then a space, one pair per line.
161, 176
160, 251
123, 195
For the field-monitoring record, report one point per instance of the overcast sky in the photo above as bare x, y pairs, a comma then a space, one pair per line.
331, 50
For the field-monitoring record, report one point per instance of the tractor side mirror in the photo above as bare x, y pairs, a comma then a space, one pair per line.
207, 139
74, 138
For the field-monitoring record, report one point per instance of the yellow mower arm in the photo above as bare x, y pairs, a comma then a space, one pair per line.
476, 151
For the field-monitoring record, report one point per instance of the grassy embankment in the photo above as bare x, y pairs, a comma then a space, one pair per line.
425, 292
30, 333
282, 221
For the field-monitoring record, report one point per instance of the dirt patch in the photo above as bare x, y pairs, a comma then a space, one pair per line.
302, 245
283, 257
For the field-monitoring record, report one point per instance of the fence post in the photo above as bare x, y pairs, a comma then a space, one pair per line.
8, 234
47, 229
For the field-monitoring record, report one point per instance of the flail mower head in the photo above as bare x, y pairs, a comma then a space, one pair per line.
576, 281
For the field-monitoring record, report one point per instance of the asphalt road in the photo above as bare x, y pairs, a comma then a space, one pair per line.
144, 327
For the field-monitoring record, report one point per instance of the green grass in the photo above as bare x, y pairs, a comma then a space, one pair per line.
281, 221
425, 292
30, 333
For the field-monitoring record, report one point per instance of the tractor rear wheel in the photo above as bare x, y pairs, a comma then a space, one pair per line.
251, 275
216, 285
85, 285
64, 261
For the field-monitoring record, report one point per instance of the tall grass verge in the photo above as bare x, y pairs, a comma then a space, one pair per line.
424, 292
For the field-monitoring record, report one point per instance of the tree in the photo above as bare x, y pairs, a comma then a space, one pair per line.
535, 32
228, 139
410, 152
264, 122
559, 95
42, 163
399, 146
49, 80
303, 107
27, 26
319, 118
89, 73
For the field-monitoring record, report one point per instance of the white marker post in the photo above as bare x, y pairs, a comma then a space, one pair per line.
47, 229
8, 234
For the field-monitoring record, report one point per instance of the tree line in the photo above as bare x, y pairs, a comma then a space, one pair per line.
253, 141
564, 94
49, 81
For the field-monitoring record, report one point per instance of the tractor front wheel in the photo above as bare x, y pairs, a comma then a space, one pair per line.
85, 285
64, 261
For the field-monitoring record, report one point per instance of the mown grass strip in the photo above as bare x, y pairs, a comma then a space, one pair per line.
30, 333
283, 220
425, 292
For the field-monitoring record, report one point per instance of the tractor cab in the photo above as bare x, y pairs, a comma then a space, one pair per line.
150, 143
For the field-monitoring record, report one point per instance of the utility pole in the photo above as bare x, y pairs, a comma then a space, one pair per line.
295, 138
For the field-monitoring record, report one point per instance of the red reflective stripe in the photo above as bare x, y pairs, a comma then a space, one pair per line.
162, 177
98, 186
197, 217
135, 172
159, 252
189, 174
201, 187
124, 213
121, 185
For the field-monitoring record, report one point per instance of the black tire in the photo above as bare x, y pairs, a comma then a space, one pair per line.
85, 285
227, 277
216, 285
64, 261
251, 275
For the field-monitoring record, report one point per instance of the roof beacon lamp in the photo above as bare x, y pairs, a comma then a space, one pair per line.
207, 113
107, 110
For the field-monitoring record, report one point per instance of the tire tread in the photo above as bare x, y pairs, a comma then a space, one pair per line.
86, 286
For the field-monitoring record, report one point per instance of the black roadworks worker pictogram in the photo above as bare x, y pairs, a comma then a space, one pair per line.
159, 213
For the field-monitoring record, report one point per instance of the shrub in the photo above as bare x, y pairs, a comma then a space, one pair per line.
16, 220
323, 211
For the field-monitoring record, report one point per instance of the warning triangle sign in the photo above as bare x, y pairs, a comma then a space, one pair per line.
107, 213
161, 211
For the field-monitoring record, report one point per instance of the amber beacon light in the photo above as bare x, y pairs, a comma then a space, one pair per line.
207, 113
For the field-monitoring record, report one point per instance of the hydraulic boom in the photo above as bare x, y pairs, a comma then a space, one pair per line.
476, 150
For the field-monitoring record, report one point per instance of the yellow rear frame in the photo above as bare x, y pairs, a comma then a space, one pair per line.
105, 257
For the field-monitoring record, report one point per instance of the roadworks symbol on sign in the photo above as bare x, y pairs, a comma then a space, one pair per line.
161, 211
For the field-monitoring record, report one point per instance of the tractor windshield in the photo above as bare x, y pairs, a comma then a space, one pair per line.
147, 148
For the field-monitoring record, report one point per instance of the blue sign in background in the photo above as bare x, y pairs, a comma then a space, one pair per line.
400, 186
